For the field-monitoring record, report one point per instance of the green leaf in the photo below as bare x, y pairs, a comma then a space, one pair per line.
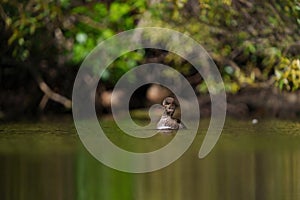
101, 9
32, 29
117, 10
14, 36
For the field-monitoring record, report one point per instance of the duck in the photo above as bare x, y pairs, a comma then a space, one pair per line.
167, 122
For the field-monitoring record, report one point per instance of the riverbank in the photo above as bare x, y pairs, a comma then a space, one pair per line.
247, 103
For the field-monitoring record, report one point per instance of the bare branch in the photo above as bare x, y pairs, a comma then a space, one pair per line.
48, 91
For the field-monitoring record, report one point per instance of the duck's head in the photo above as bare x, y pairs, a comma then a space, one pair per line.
169, 105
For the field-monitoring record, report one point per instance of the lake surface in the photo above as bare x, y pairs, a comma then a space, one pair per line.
46, 160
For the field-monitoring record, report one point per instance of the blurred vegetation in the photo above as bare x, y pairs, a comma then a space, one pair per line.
247, 39
288, 74
66, 30
254, 43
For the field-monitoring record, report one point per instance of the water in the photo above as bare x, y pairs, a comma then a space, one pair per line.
250, 161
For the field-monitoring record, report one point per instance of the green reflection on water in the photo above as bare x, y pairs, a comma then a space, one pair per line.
48, 161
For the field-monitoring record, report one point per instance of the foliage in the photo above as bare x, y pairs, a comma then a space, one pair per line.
288, 74
101, 21
247, 38
66, 30
27, 25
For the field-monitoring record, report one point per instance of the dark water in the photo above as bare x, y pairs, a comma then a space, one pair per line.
48, 161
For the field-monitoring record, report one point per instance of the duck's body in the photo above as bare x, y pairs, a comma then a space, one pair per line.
167, 121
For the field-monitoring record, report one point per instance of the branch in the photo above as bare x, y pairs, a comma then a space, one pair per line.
90, 22
49, 93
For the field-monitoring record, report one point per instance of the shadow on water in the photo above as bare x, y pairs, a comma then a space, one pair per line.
48, 161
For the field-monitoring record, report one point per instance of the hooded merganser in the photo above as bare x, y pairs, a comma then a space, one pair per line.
167, 122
